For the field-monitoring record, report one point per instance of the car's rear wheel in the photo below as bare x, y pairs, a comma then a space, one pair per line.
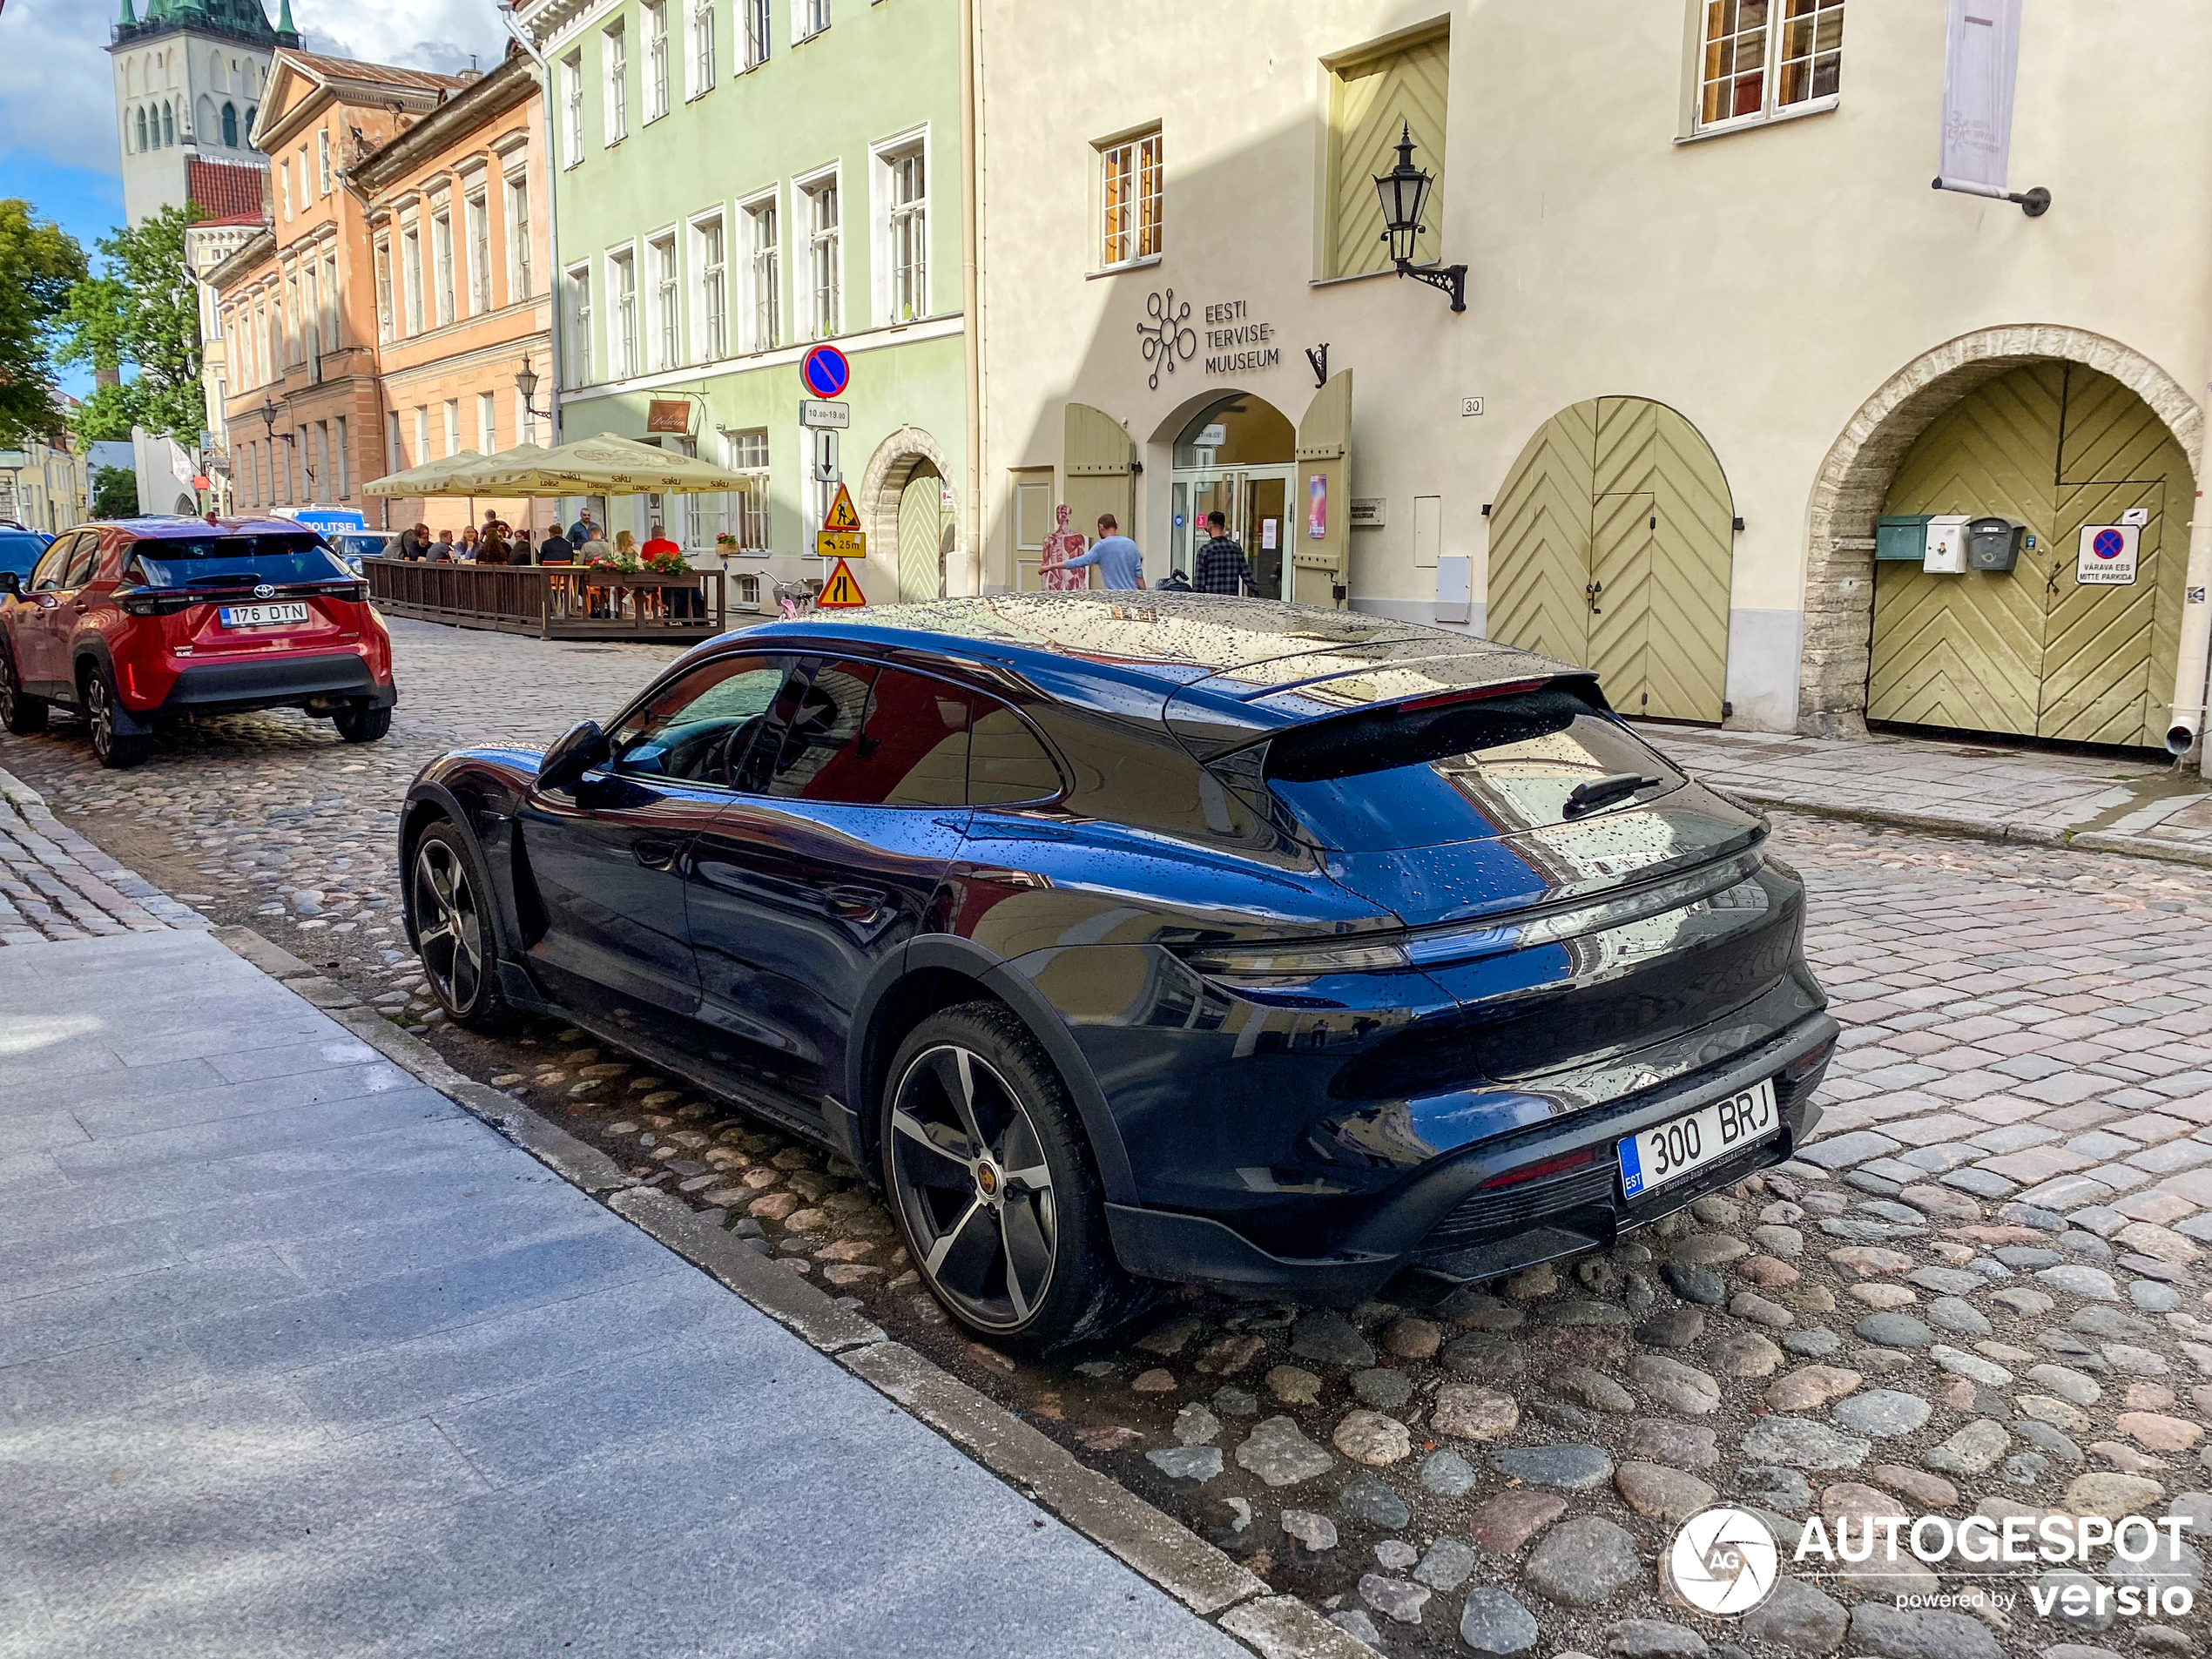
20, 712
454, 930
362, 725
993, 1185
110, 747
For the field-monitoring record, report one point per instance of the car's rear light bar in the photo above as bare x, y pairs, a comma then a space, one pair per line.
1581, 1158
1475, 694
166, 602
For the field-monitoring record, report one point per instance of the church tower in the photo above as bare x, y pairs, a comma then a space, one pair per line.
188, 80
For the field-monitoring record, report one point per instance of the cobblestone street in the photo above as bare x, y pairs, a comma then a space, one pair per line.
1982, 1288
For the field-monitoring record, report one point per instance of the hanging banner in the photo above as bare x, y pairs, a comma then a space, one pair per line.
1981, 54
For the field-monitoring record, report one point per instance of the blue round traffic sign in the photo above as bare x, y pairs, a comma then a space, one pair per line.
825, 372
2108, 545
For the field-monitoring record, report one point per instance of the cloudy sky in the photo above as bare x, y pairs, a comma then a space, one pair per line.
57, 146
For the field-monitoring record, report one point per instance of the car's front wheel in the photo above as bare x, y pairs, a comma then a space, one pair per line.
362, 725
20, 712
110, 747
453, 929
993, 1185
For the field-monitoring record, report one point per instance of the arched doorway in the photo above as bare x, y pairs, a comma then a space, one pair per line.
921, 533
2033, 652
1612, 544
1237, 456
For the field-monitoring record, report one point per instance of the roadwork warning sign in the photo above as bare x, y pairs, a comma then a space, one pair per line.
841, 591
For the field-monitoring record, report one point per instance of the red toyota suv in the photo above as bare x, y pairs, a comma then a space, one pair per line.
136, 621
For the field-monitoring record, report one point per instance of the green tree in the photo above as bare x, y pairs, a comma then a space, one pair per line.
40, 264
115, 493
141, 311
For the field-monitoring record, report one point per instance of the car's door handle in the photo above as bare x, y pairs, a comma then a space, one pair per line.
655, 854
854, 904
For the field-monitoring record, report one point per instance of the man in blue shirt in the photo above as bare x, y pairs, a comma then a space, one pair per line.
1120, 565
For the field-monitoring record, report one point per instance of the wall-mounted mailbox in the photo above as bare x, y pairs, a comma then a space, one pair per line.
1993, 543
1902, 536
1947, 545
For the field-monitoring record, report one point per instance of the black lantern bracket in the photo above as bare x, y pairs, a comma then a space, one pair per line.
526, 383
1404, 191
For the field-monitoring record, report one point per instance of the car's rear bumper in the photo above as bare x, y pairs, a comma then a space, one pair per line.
212, 687
1438, 1220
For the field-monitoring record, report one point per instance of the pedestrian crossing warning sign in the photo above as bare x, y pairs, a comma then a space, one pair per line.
841, 515
841, 590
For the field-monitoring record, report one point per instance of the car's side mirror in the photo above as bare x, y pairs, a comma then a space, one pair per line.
11, 583
577, 750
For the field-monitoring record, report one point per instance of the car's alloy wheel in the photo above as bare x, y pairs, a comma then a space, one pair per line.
450, 927
110, 746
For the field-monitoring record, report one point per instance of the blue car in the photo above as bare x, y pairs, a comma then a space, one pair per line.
1133, 939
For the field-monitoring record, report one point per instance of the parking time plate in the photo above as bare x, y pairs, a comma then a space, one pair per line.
1654, 1156
260, 615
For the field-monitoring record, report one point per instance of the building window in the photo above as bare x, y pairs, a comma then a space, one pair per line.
622, 329
579, 308
765, 258
339, 460
1130, 194
284, 186
479, 211
702, 47
452, 426
319, 476
295, 333
656, 13
1372, 99
525, 422
809, 19
411, 273
230, 127
745, 511
395, 449
322, 159
384, 291
142, 131
904, 185
668, 340
756, 33
168, 127
441, 253
518, 239
572, 100
708, 256
487, 424
825, 296
617, 50
1765, 57
330, 341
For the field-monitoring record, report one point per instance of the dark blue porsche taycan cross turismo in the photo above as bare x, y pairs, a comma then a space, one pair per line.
1139, 937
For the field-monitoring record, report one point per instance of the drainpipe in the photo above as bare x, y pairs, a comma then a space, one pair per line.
972, 287
555, 379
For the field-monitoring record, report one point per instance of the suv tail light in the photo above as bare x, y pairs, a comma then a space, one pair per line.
1537, 1171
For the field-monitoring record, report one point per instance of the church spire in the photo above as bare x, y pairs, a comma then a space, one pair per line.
129, 19
286, 30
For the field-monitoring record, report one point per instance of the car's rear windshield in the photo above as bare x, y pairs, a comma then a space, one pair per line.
229, 561
19, 550
1459, 771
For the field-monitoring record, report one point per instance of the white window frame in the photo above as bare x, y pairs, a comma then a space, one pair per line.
477, 212
576, 318
518, 237
664, 302
340, 459
808, 19
411, 273
525, 422
444, 296
701, 58
322, 150
763, 299
622, 313
1121, 240
825, 253
757, 32
710, 305
572, 100
394, 445
614, 83
894, 225
486, 424
655, 15
284, 180
746, 514
1769, 74
422, 433
452, 426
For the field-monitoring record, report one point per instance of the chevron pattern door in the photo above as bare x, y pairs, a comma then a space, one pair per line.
1612, 545
2031, 652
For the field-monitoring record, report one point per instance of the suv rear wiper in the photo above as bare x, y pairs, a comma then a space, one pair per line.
1599, 791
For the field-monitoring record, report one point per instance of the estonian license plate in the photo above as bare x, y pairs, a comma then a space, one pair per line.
1654, 1156
260, 615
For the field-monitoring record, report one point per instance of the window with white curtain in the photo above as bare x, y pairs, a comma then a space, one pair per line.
904, 190
824, 262
667, 333
577, 308
708, 260
764, 276
809, 19
656, 15
756, 33
743, 511
622, 326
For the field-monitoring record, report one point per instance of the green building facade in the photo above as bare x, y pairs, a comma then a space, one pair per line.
737, 181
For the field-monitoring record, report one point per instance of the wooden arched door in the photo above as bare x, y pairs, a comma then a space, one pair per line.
922, 530
1612, 544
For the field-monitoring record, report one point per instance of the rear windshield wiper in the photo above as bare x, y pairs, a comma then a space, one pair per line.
1599, 791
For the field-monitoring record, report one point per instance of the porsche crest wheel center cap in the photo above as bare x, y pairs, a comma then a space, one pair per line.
987, 1180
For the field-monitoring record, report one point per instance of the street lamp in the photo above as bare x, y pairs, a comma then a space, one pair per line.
1404, 191
526, 383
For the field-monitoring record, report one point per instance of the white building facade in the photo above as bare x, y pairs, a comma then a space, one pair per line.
1718, 330
188, 76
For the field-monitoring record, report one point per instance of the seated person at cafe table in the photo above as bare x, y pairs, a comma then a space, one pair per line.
555, 549
682, 602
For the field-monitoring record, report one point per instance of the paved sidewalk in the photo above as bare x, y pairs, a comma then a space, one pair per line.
54, 884
2000, 791
298, 1359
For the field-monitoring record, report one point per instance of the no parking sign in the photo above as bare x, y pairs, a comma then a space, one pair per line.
2107, 555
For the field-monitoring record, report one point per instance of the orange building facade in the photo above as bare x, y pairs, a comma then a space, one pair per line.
380, 318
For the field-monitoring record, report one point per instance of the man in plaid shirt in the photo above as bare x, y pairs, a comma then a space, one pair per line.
1222, 565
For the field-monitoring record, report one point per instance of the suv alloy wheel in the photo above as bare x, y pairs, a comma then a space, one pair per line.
113, 749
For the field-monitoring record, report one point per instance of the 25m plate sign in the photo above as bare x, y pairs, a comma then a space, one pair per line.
1654, 1156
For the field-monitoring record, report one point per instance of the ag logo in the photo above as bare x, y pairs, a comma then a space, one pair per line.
1724, 1560
262, 590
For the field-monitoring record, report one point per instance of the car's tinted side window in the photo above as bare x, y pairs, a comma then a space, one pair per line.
699, 728
1007, 764
47, 576
867, 736
819, 733
83, 561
